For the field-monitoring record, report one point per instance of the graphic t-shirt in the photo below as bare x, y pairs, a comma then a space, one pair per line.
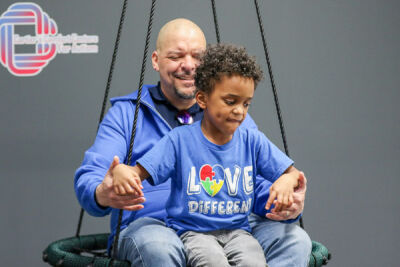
212, 185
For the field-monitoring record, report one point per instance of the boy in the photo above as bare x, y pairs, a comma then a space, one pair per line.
212, 164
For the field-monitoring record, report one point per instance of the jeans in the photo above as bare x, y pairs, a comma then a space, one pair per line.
148, 242
283, 244
223, 248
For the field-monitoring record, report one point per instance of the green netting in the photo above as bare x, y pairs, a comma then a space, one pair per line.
319, 255
68, 252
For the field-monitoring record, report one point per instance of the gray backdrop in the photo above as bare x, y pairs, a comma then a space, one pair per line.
336, 66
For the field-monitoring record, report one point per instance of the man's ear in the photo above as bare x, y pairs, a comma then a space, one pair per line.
154, 60
201, 98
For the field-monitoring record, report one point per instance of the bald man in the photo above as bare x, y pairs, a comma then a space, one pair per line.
144, 239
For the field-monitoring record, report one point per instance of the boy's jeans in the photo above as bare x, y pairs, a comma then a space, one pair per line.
148, 242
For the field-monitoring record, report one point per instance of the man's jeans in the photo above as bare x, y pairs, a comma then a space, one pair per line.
283, 244
148, 242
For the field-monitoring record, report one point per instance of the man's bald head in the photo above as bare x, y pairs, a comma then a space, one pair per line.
180, 44
176, 26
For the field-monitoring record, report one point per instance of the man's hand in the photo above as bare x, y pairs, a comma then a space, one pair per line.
106, 196
297, 207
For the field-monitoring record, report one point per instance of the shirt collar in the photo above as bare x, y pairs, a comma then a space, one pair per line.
159, 96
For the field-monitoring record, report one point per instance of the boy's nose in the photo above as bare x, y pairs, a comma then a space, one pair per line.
238, 110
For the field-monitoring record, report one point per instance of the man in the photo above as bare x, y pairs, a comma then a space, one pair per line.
144, 239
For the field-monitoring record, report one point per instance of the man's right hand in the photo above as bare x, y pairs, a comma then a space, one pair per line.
106, 197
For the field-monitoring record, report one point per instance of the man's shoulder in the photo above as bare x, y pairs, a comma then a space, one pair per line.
134, 95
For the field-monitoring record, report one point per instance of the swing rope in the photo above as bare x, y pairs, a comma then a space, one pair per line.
105, 98
129, 159
271, 76
215, 21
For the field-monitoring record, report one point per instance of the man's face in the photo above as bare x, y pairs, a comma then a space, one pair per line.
225, 107
176, 61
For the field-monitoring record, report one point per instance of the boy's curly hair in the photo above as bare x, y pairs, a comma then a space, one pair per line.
225, 60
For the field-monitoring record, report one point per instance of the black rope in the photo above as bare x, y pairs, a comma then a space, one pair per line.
128, 162
215, 21
278, 110
78, 229
105, 98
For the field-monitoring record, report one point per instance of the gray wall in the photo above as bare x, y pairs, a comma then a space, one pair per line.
336, 66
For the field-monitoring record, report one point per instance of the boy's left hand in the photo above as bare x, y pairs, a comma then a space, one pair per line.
296, 208
282, 191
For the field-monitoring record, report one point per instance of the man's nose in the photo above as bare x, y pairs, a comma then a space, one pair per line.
189, 63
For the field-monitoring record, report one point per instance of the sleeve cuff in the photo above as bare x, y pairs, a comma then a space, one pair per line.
94, 208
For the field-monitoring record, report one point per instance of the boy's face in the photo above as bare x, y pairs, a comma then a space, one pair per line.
225, 107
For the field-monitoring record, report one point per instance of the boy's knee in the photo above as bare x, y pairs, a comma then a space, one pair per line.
211, 259
252, 260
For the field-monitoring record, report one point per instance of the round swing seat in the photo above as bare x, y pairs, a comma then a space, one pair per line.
85, 250
90, 250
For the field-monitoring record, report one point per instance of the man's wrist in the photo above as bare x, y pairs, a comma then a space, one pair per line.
96, 198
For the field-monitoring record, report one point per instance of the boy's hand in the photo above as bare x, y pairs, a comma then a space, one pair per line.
297, 207
126, 181
282, 191
106, 197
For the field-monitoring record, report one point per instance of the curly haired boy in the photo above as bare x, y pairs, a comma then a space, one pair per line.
212, 164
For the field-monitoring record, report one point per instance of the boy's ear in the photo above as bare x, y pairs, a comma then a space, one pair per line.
201, 98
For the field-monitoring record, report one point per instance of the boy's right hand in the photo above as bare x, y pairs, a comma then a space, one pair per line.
126, 181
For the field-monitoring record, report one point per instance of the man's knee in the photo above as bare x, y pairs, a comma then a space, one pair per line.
163, 253
283, 244
148, 242
295, 239
292, 248
301, 240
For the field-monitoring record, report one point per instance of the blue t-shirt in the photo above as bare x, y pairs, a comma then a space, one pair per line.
212, 185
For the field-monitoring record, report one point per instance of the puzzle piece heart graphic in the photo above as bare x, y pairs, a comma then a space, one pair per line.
209, 176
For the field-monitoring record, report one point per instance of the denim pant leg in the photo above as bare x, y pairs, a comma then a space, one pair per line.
204, 249
148, 242
242, 249
283, 244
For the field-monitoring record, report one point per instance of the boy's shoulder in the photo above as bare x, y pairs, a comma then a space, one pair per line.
248, 123
249, 131
252, 135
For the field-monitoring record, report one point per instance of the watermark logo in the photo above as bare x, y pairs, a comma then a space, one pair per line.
47, 41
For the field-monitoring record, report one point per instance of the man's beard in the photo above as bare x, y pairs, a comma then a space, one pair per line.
185, 96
